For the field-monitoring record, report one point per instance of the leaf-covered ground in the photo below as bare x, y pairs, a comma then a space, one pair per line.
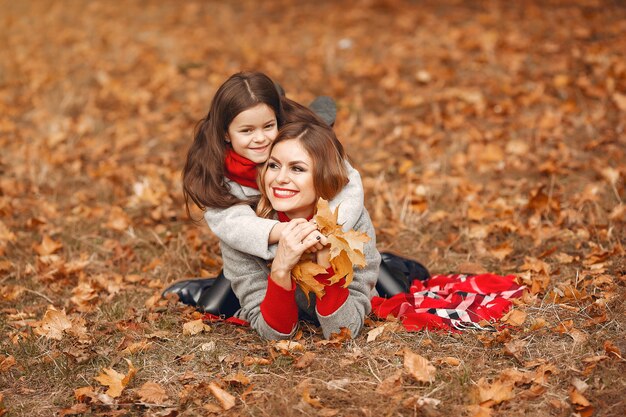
490, 136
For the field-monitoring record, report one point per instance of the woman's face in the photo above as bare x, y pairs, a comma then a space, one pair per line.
288, 180
252, 132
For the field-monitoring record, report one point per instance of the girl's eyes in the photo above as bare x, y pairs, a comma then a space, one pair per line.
270, 126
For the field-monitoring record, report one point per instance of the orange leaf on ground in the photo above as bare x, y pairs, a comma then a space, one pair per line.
238, 378
419, 367
53, 324
304, 361
7, 363
226, 400
116, 381
118, 219
498, 391
514, 318
153, 393
577, 398
79, 408
47, 246
194, 327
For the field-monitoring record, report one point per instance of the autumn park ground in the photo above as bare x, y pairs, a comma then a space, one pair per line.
489, 135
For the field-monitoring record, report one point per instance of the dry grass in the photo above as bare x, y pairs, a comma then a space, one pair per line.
98, 98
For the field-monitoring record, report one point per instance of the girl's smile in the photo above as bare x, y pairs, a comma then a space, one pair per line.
252, 131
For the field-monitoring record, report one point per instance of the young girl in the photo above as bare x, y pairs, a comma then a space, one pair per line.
306, 162
220, 178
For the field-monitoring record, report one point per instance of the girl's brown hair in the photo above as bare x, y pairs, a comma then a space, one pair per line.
203, 174
330, 174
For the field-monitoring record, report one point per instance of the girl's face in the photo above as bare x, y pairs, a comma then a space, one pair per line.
288, 180
252, 131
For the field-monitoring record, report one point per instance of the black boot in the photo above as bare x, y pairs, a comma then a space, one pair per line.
397, 274
190, 290
325, 108
219, 299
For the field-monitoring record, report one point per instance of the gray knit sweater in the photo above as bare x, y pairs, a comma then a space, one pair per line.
249, 274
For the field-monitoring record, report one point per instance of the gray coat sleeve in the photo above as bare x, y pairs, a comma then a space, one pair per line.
358, 305
239, 226
349, 200
248, 277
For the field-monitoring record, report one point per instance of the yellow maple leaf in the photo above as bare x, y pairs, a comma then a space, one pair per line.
342, 267
346, 252
116, 381
325, 219
304, 275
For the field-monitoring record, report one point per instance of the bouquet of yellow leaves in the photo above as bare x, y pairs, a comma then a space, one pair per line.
346, 252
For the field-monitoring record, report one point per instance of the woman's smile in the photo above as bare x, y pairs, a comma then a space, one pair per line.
283, 192
289, 180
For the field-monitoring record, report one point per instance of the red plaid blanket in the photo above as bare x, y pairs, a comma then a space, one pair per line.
451, 302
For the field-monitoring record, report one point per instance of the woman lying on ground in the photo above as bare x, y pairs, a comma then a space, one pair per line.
306, 163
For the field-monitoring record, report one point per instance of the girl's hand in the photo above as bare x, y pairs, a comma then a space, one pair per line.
323, 257
295, 239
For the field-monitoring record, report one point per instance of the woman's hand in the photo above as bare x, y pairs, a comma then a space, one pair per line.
294, 241
321, 239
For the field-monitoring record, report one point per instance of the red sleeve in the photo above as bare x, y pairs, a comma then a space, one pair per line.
279, 307
335, 295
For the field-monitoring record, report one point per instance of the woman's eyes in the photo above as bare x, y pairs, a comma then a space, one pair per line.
297, 168
272, 165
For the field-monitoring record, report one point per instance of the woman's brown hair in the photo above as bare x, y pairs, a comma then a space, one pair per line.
203, 174
330, 174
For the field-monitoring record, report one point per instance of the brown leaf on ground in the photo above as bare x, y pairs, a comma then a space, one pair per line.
419, 367
118, 220
495, 392
152, 393
310, 400
194, 327
514, 318
116, 381
227, 401
47, 246
7, 363
304, 361
515, 348
612, 350
470, 268
79, 408
390, 385
287, 346
237, 379
53, 324
251, 360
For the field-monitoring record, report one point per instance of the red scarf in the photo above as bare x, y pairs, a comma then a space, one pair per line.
239, 169
283, 218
